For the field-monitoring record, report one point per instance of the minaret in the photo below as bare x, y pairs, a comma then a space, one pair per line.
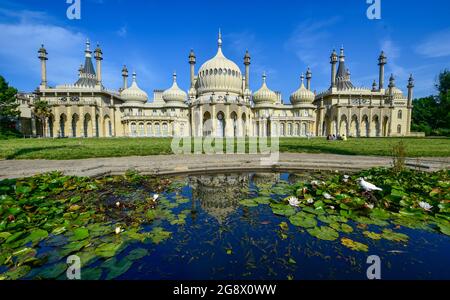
308, 79
333, 61
99, 57
247, 70
43, 58
125, 77
192, 60
410, 90
382, 60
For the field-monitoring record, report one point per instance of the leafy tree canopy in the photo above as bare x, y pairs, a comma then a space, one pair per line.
9, 108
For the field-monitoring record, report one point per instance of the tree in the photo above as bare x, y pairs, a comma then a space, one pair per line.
9, 107
42, 111
432, 114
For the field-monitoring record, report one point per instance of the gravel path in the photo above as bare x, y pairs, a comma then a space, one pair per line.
178, 164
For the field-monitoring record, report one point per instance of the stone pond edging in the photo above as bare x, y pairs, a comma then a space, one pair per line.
188, 164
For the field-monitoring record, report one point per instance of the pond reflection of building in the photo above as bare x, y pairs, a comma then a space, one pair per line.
219, 195
265, 178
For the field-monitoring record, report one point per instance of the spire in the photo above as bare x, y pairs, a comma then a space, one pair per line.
219, 40
174, 75
264, 76
302, 79
341, 55
374, 86
88, 48
134, 76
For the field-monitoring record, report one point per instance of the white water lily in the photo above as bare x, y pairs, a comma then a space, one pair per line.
155, 197
310, 201
314, 182
118, 204
332, 207
118, 230
327, 196
293, 201
425, 206
346, 176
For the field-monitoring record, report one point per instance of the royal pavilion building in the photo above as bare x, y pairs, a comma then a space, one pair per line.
219, 103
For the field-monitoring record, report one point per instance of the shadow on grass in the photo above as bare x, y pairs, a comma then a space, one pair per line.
26, 151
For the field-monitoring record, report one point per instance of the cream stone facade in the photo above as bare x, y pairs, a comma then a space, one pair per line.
219, 103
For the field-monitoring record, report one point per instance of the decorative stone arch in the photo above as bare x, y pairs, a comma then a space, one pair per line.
74, 123
298, 130
50, 127
165, 129
97, 125
87, 125
354, 127
365, 126
62, 125
207, 124
376, 125
157, 129
343, 126
326, 126
234, 123
221, 124
141, 129
149, 129
244, 124
107, 126
386, 126
399, 129
400, 114
282, 129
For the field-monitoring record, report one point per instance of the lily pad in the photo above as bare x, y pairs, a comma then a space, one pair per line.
137, 254
302, 221
356, 246
248, 203
372, 235
282, 209
324, 233
79, 234
394, 236
109, 250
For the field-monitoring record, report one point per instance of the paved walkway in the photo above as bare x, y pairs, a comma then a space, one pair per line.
176, 164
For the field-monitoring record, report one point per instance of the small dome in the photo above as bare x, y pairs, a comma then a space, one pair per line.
219, 74
264, 94
134, 93
174, 93
396, 92
302, 95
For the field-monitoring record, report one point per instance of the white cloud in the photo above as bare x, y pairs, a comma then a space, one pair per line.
392, 51
308, 41
122, 32
436, 45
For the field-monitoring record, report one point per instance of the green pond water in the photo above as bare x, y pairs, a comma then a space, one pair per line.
226, 226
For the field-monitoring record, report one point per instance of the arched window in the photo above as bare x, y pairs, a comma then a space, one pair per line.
157, 130
165, 130
399, 129
400, 115
282, 130
141, 129
133, 129
149, 129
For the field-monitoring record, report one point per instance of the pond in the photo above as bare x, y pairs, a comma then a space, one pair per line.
227, 226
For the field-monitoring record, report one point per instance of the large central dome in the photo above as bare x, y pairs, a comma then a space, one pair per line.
219, 74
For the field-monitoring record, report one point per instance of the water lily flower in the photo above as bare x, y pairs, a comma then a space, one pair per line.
314, 182
346, 176
327, 196
293, 201
118, 204
310, 201
367, 186
118, 230
332, 207
425, 206
155, 197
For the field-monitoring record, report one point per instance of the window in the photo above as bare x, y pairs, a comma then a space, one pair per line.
157, 130
399, 129
400, 115
133, 129
149, 129
165, 129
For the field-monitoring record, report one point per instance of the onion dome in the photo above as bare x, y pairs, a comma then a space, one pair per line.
174, 93
134, 93
219, 74
302, 95
393, 90
264, 94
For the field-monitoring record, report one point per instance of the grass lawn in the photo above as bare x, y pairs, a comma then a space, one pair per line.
114, 147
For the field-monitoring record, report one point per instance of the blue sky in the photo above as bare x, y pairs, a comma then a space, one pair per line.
284, 37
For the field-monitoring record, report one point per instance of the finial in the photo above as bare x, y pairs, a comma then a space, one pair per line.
302, 78
88, 45
219, 41
134, 76
174, 76
264, 76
